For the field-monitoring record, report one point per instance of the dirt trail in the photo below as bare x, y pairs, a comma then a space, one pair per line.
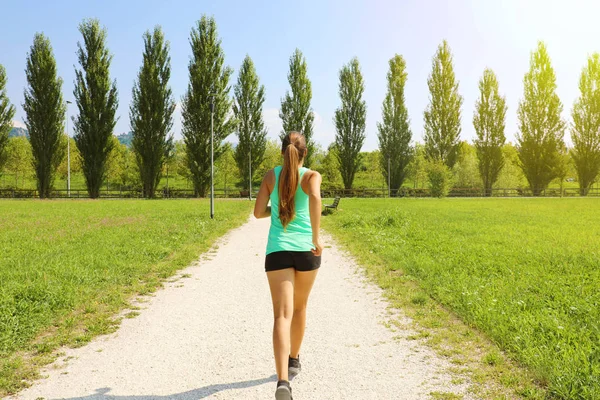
208, 336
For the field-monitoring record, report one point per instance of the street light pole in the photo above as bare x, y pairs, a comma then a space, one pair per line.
168, 159
68, 153
212, 167
389, 178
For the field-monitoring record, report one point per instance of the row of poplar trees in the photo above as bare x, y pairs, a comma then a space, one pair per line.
151, 110
540, 145
540, 139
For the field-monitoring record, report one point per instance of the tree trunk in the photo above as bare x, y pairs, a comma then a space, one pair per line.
201, 189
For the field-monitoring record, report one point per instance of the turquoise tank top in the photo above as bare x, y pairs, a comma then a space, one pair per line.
297, 236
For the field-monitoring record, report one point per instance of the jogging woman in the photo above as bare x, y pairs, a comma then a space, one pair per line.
293, 252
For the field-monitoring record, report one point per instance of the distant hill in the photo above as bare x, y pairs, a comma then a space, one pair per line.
16, 132
125, 138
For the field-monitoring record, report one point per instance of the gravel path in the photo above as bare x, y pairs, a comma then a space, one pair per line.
208, 336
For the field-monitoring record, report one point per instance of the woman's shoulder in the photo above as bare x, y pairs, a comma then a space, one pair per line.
311, 174
311, 181
274, 170
270, 174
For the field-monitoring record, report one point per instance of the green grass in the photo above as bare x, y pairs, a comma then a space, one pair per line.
525, 272
67, 267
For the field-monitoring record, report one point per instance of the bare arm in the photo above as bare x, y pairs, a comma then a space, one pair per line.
261, 210
314, 206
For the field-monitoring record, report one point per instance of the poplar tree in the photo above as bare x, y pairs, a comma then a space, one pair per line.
249, 97
585, 131
296, 113
394, 130
97, 102
151, 111
541, 129
442, 116
489, 122
349, 121
209, 77
44, 113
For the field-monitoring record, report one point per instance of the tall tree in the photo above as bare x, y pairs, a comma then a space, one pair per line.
151, 111
317, 158
181, 162
394, 131
226, 170
19, 160
540, 140
272, 157
418, 167
511, 175
115, 163
489, 122
296, 113
45, 113
585, 130
563, 167
97, 102
7, 112
208, 77
252, 134
350, 121
330, 168
442, 116
129, 173
371, 170
466, 170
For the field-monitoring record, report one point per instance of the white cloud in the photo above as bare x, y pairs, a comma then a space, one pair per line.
323, 130
18, 124
272, 122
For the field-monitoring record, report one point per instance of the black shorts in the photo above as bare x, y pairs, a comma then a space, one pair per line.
299, 260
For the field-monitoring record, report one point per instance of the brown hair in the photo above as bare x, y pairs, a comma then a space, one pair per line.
293, 148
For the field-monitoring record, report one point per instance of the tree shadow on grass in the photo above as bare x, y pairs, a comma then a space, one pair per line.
195, 394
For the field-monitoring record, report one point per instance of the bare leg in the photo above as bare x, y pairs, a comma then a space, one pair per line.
302, 287
281, 283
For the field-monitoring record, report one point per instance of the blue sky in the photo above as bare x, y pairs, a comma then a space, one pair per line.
496, 34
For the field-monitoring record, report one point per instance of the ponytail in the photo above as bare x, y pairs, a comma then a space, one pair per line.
294, 149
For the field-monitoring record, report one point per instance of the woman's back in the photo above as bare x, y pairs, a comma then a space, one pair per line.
297, 235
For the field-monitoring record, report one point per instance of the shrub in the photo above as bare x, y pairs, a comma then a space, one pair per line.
440, 178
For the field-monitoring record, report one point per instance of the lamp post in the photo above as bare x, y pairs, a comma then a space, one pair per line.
389, 178
212, 167
168, 160
68, 153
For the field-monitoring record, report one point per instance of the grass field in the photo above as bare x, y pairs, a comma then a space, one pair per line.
526, 272
68, 266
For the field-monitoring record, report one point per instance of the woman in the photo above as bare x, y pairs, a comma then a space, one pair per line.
293, 252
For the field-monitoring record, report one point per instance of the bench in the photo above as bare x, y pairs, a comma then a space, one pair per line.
333, 206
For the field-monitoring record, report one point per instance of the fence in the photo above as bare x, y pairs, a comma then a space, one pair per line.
327, 193
456, 192
122, 194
